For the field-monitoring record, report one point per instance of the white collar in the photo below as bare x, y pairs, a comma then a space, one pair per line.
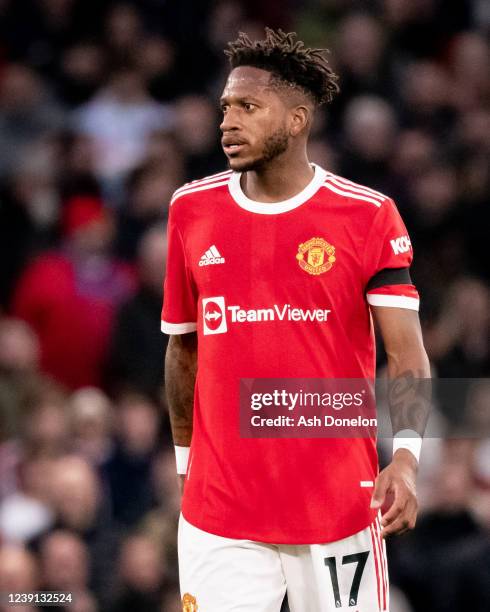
273, 208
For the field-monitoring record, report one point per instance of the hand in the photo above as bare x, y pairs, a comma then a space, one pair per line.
397, 478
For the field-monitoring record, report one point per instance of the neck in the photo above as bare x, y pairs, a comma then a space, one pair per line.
279, 180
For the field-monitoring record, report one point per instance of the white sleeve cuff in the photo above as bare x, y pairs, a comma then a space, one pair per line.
174, 329
409, 439
182, 458
393, 301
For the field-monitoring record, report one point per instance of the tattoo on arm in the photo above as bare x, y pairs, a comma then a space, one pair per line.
409, 398
180, 378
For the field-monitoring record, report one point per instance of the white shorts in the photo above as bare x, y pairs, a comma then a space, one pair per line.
226, 575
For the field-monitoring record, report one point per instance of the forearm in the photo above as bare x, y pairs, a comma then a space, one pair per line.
180, 378
409, 388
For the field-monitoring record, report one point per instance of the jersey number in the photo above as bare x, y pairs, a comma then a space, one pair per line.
331, 563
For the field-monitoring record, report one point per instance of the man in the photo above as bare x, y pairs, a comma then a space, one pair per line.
277, 235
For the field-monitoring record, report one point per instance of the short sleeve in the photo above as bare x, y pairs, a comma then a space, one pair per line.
387, 258
179, 293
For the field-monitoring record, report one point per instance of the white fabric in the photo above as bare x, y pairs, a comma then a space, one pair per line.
23, 518
178, 328
224, 574
409, 439
274, 208
393, 301
182, 458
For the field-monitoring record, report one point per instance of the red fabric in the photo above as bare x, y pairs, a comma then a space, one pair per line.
73, 329
81, 211
292, 491
403, 290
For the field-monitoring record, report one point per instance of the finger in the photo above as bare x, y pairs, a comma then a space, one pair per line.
396, 509
401, 498
401, 525
381, 487
403, 522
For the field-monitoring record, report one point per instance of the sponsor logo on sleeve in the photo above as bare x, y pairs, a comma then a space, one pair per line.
401, 244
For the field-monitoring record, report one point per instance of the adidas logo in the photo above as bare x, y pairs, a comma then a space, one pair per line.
211, 256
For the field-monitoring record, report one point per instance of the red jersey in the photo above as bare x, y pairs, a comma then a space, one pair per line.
307, 264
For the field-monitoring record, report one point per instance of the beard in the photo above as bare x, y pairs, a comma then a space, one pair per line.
274, 145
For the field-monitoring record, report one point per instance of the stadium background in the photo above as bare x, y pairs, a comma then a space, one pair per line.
106, 108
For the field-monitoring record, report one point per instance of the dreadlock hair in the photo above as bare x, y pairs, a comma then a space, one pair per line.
289, 62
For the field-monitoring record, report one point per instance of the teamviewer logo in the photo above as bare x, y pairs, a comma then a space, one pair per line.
213, 316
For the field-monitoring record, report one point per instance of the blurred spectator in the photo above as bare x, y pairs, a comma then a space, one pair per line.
129, 470
19, 359
459, 340
156, 59
196, 125
26, 513
44, 419
142, 575
40, 426
26, 113
123, 27
65, 565
69, 296
417, 559
119, 120
136, 358
91, 420
150, 189
370, 128
427, 99
82, 73
18, 574
470, 60
415, 150
81, 509
360, 57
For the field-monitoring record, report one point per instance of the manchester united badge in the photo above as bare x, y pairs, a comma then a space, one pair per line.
189, 603
316, 256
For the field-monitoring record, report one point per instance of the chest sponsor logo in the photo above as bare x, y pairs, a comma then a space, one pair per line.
401, 244
315, 256
211, 257
216, 315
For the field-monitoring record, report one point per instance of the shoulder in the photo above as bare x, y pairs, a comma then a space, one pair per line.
351, 192
194, 188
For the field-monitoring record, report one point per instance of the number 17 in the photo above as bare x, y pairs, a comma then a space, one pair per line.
331, 563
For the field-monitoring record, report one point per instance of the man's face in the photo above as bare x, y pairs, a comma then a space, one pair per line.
255, 120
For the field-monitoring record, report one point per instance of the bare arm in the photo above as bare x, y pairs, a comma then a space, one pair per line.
409, 401
180, 378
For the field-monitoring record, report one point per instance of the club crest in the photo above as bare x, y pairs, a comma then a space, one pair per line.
316, 256
189, 603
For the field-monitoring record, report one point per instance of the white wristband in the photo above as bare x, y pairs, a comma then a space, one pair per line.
182, 458
409, 439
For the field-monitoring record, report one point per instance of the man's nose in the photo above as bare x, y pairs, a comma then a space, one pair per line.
230, 121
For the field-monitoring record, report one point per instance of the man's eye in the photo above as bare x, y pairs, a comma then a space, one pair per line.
249, 106
224, 108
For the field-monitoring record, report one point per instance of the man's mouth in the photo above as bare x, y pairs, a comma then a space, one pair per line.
232, 148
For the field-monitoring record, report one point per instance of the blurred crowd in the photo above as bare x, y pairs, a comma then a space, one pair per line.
105, 109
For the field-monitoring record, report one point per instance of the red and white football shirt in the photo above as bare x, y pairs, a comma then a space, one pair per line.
227, 251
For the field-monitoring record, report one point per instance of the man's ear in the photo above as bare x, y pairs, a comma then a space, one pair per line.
300, 119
